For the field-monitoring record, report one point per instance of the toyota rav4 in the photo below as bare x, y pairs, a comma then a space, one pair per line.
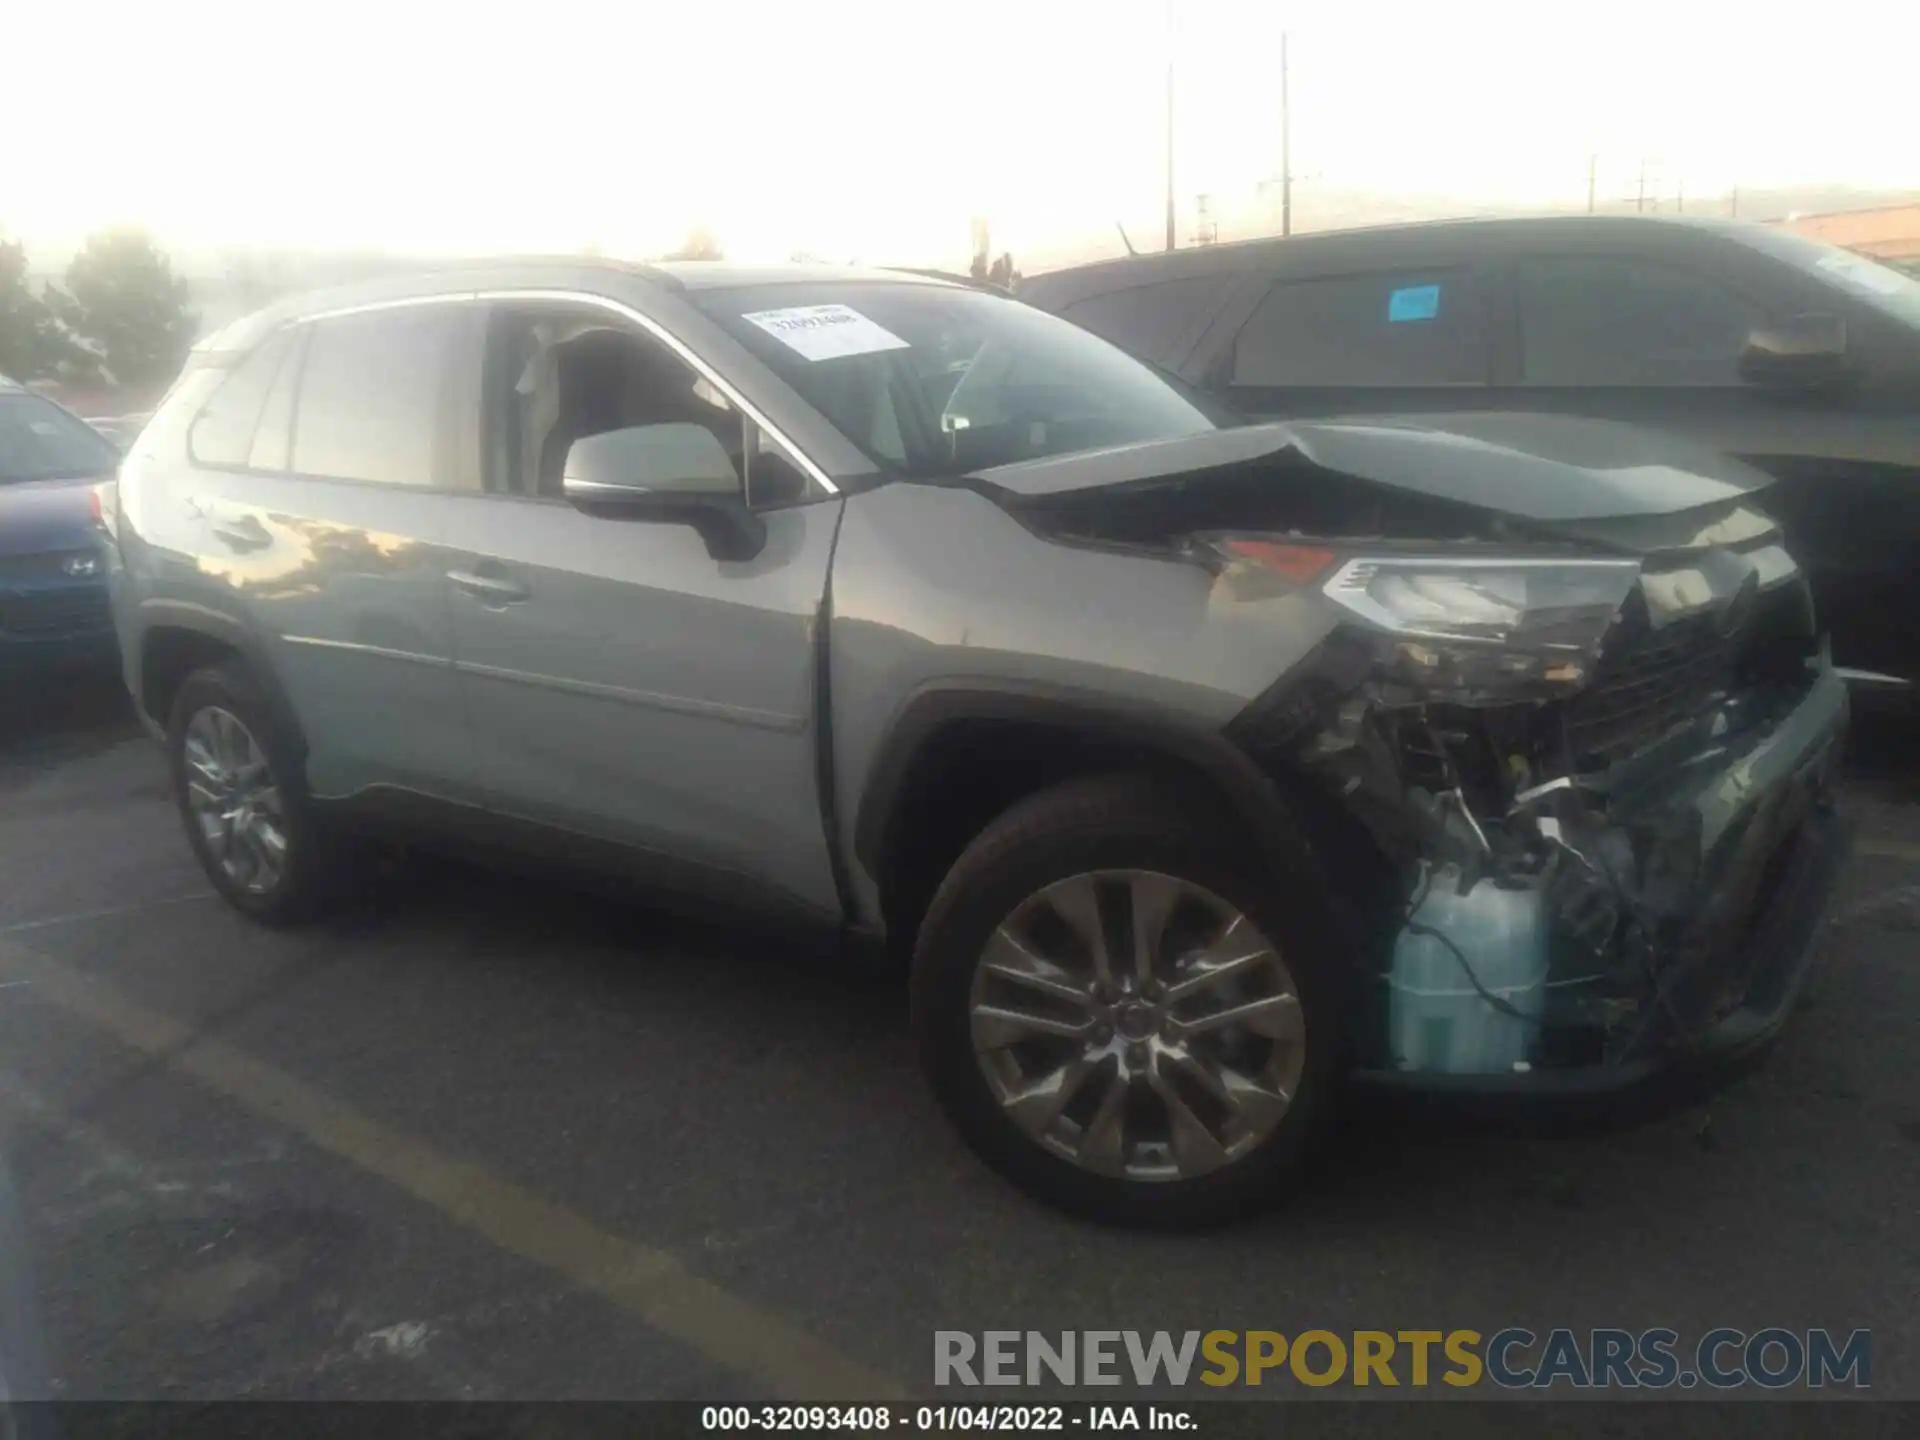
1196, 766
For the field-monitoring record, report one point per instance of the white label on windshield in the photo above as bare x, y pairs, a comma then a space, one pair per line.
1865, 274
826, 332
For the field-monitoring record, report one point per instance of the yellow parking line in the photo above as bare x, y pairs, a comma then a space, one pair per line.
1888, 849
651, 1284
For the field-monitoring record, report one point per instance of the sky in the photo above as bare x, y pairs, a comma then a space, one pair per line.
848, 129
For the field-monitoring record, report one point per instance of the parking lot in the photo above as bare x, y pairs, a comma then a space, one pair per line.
491, 1137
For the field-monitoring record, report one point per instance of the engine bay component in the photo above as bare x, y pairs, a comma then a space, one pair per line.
1469, 973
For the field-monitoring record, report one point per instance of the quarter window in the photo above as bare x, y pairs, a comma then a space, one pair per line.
1406, 328
1608, 321
371, 394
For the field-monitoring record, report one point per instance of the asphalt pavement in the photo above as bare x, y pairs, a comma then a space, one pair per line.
491, 1137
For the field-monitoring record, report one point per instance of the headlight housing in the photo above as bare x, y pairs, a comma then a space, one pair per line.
1471, 629
1559, 605
1506, 626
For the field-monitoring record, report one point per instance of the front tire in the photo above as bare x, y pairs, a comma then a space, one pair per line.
241, 793
1123, 1012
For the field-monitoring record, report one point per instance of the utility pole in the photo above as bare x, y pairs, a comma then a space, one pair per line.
1640, 200
1286, 145
1680, 197
1170, 206
1733, 203
1593, 167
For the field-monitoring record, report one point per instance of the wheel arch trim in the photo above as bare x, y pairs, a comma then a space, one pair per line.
222, 629
1236, 779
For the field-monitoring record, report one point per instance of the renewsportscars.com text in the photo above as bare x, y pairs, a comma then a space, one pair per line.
1513, 1358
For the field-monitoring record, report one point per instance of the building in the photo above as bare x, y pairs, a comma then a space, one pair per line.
1887, 232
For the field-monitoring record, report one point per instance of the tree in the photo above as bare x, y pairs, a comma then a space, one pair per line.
34, 344
21, 315
127, 303
700, 244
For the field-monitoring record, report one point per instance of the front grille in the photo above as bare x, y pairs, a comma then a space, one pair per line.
1648, 681
55, 613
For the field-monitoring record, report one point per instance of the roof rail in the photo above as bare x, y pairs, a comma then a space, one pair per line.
493, 262
951, 277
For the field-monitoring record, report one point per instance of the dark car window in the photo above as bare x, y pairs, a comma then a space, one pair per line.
1397, 328
371, 392
224, 430
40, 441
1604, 321
1149, 320
1893, 288
556, 375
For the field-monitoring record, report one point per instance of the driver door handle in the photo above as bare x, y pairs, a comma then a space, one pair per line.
490, 589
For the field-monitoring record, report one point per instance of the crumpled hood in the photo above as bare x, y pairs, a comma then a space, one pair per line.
1548, 468
41, 515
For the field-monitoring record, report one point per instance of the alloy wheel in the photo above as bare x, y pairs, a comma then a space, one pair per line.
1138, 1025
234, 800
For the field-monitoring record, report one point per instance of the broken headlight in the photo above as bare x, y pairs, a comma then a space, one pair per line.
1486, 628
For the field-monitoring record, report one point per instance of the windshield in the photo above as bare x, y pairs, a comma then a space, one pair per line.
939, 380
40, 441
1880, 286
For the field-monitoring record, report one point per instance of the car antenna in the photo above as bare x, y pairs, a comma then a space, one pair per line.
1123, 238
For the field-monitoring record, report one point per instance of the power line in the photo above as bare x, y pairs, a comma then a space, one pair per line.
1170, 205
1286, 145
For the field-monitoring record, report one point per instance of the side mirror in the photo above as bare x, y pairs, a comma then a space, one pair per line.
1807, 350
677, 473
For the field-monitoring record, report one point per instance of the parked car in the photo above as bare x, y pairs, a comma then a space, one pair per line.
53, 572
1796, 356
1195, 767
119, 431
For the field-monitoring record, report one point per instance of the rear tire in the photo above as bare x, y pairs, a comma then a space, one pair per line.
241, 792
1153, 857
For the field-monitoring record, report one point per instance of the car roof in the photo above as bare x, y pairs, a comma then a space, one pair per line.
726, 275
539, 271
1386, 239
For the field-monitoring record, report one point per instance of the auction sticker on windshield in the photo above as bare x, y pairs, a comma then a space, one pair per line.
826, 332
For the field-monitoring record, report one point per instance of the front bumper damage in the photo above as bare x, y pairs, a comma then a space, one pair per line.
1602, 927
1683, 902
1550, 705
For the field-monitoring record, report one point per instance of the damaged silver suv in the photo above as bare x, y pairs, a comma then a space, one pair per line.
1197, 766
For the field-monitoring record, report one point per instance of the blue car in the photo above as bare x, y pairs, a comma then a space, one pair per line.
53, 567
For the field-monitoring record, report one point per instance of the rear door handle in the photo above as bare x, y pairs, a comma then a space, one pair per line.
490, 589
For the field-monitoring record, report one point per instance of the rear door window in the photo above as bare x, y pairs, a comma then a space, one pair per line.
1412, 328
1597, 320
374, 392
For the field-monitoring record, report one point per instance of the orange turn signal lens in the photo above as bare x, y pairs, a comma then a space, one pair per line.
1301, 564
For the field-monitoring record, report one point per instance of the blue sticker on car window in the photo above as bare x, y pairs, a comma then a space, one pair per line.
1416, 302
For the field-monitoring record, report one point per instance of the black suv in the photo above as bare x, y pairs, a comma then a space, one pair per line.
1795, 355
